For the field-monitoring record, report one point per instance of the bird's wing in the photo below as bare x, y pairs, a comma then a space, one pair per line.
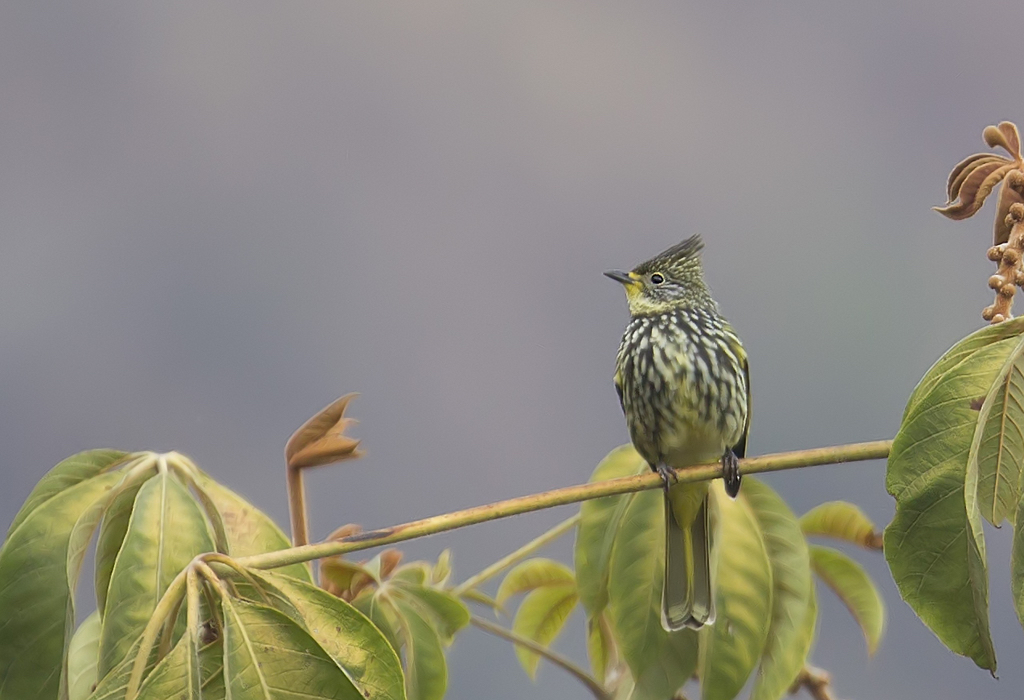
740, 448
618, 390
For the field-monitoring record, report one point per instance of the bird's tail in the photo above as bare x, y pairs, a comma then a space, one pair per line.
686, 597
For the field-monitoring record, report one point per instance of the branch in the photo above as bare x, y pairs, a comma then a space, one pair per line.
517, 556
553, 656
560, 497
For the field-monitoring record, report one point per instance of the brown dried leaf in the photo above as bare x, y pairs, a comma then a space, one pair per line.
1006, 136
965, 168
322, 440
978, 184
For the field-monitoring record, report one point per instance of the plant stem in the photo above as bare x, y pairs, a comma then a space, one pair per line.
169, 602
297, 506
553, 656
559, 497
518, 555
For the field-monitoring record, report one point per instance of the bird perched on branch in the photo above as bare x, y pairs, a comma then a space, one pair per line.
683, 383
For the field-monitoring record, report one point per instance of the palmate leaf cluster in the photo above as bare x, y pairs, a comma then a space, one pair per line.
956, 460
767, 610
169, 624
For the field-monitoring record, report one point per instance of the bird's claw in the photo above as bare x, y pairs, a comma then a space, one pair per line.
731, 472
668, 476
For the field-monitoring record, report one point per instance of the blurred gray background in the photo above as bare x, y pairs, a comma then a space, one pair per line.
216, 218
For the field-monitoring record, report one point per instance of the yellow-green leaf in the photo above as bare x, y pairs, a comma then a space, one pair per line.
267, 656
541, 617
531, 574
733, 645
360, 650
39, 566
599, 526
855, 588
660, 662
448, 613
841, 520
426, 672
999, 448
790, 632
83, 653
934, 544
601, 648
249, 530
166, 531
113, 528
960, 352
64, 475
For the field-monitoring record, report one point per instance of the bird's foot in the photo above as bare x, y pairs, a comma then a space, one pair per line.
731, 472
668, 476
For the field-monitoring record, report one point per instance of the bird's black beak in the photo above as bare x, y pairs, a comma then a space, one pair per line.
620, 276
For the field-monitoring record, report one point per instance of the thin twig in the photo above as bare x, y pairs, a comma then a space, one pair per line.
517, 556
558, 497
553, 656
297, 506
816, 681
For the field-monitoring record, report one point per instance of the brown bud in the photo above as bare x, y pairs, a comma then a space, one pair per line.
1018, 277
998, 318
1008, 290
1011, 256
996, 281
389, 559
988, 313
1015, 180
345, 531
1017, 212
995, 253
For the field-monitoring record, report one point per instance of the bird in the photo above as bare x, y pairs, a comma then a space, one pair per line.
683, 382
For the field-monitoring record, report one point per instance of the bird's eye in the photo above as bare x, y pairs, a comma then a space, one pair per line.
657, 278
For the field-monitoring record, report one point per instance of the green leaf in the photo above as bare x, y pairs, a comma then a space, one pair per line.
113, 528
541, 617
734, 644
659, 661
83, 653
855, 588
356, 645
475, 595
531, 574
249, 530
998, 449
176, 676
166, 531
267, 655
960, 352
64, 475
599, 526
601, 648
417, 572
448, 613
442, 569
843, 521
790, 633
934, 544
383, 617
426, 672
39, 566
1017, 567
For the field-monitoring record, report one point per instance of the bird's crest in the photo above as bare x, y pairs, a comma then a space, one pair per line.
681, 260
